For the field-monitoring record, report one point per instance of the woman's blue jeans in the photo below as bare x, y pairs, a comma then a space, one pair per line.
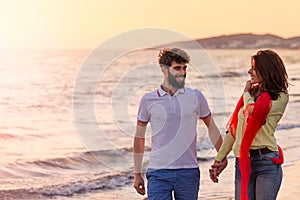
265, 178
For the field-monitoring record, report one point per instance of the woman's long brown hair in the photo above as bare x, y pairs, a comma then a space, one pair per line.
272, 71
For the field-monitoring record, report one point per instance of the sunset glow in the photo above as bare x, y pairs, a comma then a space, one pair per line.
85, 24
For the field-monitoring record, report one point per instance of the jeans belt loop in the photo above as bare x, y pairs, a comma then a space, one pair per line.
259, 152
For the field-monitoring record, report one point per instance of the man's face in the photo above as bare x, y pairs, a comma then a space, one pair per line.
177, 74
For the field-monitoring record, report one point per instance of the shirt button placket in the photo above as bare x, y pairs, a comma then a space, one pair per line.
173, 105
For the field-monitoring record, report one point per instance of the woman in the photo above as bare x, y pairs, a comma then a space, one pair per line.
251, 128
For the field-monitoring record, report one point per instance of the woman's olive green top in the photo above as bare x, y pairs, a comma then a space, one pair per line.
264, 137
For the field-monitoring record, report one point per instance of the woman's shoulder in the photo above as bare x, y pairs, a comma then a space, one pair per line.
282, 99
283, 96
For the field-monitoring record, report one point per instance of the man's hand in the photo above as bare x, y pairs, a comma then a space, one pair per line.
139, 184
216, 169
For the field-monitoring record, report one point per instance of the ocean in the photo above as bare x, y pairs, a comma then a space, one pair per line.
68, 117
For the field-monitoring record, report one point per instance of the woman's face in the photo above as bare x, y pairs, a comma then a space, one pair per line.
255, 78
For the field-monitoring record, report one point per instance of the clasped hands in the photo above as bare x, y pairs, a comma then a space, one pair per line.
216, 169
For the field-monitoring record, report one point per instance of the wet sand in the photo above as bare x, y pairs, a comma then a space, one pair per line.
224, 190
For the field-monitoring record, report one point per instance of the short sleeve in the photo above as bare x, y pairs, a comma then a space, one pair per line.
143, 114
203, 108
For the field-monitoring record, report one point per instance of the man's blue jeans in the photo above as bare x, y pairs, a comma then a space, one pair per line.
265, 178
184, 182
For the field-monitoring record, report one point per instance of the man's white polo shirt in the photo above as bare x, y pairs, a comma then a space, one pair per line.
173, 122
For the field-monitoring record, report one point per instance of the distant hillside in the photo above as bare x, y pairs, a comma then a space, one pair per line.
245, 41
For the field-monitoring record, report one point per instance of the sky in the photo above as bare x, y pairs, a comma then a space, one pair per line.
84, 24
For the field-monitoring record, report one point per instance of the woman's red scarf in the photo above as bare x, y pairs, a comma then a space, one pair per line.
255, 116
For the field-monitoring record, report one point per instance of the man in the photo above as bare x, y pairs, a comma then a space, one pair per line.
172, 111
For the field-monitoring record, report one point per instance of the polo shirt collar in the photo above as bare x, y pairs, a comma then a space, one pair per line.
161, 92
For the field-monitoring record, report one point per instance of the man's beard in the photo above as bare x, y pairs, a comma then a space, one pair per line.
172, 80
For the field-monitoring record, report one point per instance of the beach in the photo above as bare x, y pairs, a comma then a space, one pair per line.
224, 190
67, 134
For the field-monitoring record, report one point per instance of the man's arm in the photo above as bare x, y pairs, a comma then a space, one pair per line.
216, 139
213, 132
138, 151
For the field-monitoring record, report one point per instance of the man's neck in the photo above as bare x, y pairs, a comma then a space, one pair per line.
169, 88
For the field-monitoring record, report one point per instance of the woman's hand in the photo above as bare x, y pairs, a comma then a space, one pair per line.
247, 86
216, 169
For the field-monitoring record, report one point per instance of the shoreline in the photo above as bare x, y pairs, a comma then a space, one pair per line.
224, 190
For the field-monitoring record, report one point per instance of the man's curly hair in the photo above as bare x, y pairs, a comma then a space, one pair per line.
166, 56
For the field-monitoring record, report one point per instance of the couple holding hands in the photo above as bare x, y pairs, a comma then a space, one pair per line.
173, 111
